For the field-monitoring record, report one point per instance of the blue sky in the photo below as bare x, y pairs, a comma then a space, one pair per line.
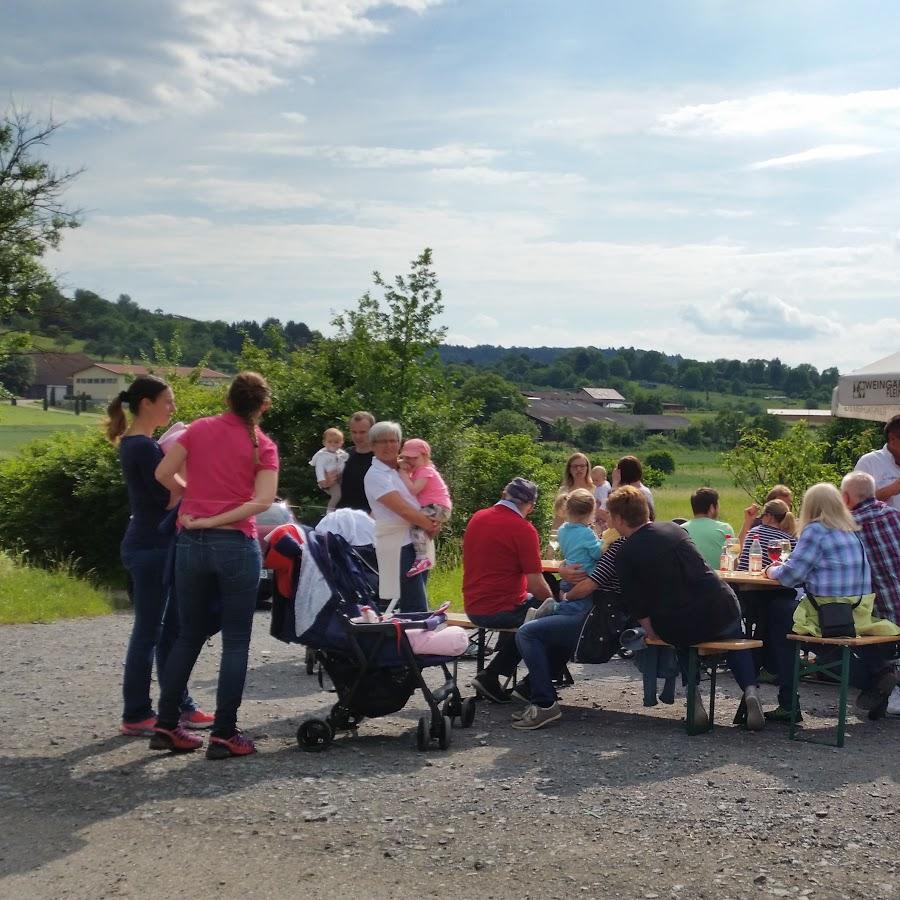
705, 178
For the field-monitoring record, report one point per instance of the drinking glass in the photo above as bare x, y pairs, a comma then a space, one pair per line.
785, 551
553, 543
775, 551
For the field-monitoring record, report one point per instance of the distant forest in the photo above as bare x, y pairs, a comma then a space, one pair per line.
121, 329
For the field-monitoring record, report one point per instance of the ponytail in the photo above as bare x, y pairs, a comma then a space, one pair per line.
144, 387
246, 396
789, 524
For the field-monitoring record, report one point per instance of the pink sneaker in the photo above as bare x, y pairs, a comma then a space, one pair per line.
144, 728
196, 720
236, 745
176, 740
418, 567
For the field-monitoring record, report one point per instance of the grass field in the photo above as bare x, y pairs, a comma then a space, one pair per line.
38, 595
19, 425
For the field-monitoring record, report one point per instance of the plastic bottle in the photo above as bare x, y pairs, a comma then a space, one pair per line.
724, 558
756, 557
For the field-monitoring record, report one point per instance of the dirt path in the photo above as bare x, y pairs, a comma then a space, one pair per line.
614, 802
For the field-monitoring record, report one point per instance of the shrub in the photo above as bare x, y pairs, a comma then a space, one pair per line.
662, 460
508, 421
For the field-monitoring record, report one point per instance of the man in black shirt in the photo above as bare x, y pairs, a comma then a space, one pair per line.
353, 492
671, 591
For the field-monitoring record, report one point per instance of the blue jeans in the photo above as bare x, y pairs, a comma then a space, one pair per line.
413, 597
153, 632
216, 581
507, 657
547, 644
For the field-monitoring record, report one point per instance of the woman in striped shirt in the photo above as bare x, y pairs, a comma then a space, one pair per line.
777, 524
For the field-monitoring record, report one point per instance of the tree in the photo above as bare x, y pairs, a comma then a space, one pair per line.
508, 421
32, 215
17, 373
493, 393
647, 404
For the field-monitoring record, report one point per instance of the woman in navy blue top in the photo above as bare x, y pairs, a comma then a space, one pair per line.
145, 550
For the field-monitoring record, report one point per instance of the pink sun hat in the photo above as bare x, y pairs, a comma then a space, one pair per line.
416, 447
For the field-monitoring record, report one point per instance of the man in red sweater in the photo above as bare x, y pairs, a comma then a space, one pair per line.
502, 577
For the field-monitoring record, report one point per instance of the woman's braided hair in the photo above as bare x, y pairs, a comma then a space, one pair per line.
248, 392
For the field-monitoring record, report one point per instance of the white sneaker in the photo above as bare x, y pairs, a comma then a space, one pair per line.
547, 608
755, 719
893, 706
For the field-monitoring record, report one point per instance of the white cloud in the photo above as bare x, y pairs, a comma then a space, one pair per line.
295, 118
484, 321
484, 175
825, 153
758, 314
186, 55
783, 111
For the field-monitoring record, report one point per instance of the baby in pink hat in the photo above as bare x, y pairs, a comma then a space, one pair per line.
425, 483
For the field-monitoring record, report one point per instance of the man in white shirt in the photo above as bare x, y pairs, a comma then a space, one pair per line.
884, 465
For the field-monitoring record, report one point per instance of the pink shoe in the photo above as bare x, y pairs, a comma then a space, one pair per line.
236, 745
418, 567
144, 728
196, 719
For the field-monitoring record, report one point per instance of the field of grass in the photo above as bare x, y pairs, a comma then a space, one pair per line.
38, 595
19, 425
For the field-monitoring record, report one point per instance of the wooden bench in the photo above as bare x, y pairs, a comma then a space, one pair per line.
706, 650
839, 669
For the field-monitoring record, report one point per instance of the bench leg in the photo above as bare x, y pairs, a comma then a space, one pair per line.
712, 693
795, 696
845, 683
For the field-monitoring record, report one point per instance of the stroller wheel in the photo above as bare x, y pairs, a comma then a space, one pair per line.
445, 732
468, 712
310, 661
314, 735
423, 736
450, 709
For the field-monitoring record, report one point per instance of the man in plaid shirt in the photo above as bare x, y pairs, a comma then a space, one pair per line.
880, 532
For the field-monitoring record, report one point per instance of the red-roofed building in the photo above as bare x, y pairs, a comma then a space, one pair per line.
102, 381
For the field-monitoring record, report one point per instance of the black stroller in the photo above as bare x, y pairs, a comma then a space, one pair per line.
372, 666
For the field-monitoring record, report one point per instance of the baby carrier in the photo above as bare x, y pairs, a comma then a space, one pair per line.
371, 664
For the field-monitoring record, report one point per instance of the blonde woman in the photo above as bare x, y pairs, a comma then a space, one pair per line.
830, 563
576, 476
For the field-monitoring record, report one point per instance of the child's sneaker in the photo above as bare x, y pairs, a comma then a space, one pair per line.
547, 608
236, 745
144, 728
418, 567
176, 740
196, 719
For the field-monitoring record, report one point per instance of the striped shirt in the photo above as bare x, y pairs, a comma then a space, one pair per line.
765, 534
604, 573
831, 562
880, 533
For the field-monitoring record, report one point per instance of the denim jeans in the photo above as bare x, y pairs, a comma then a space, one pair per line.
152, 633
413, 597
547, 644
507, 657
216, 581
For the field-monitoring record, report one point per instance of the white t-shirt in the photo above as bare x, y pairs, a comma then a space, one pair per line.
883, 468
381, 479
601, 492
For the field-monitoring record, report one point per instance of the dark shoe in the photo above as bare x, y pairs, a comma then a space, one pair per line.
780, 714
488, 685
521, 691
877, 695
236, 745
766, 677
175, 740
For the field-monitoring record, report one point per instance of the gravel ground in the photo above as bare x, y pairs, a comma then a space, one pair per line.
615, 801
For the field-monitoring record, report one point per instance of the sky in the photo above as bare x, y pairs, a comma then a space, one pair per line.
698, 177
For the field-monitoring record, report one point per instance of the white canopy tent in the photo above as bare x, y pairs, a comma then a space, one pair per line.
872, 392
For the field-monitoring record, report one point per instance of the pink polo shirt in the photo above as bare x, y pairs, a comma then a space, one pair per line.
435, 490
221, 472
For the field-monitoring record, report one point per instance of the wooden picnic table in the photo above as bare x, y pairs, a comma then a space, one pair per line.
743, 580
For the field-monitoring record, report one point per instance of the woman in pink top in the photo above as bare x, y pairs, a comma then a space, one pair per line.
429, 488
232, 474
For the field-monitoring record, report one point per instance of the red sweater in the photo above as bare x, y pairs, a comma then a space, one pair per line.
499, 549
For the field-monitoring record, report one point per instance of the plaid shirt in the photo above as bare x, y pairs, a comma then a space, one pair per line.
880, 526
830, 561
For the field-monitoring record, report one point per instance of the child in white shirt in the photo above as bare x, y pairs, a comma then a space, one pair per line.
329, 460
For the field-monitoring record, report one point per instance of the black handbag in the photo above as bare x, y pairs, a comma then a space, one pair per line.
836, 619
599, 638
